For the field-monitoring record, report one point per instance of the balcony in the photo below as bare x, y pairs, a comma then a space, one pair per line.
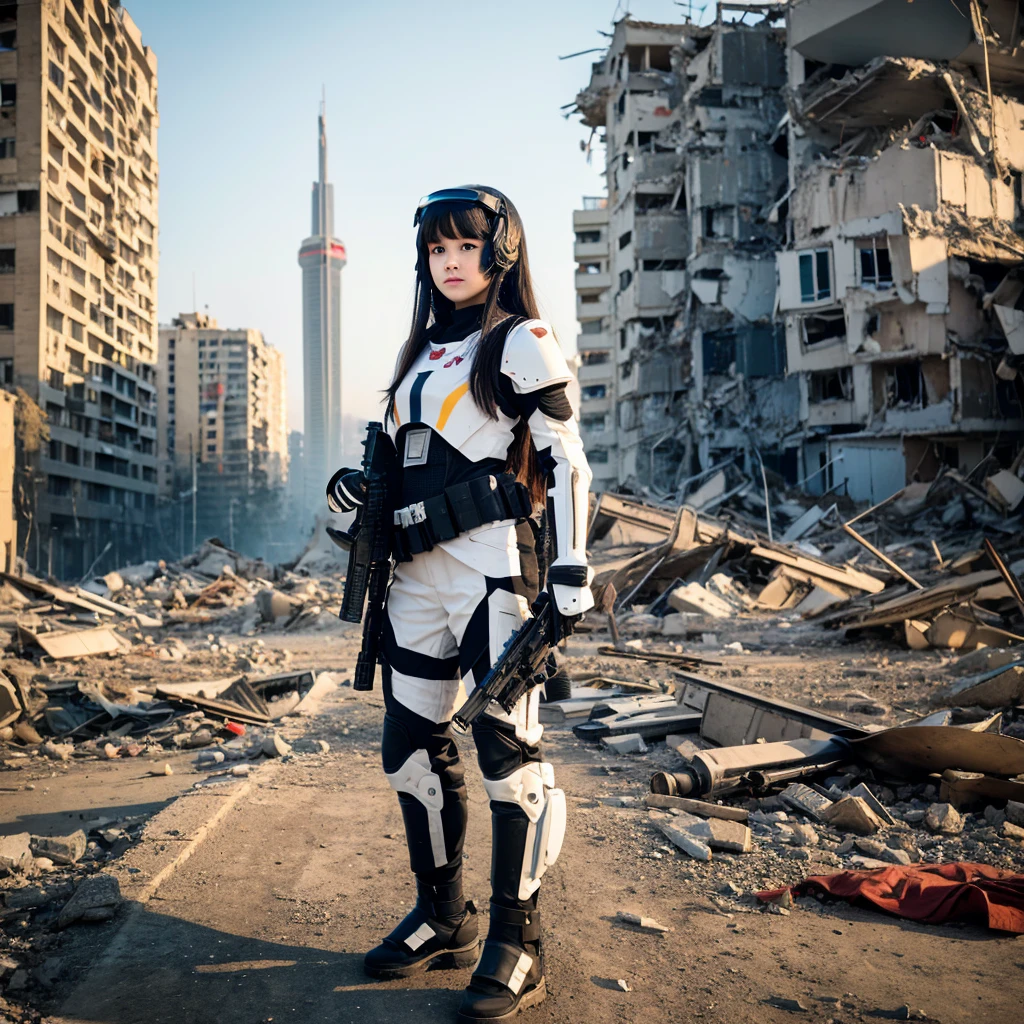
593, 310
584, 251
596, 373
593, 282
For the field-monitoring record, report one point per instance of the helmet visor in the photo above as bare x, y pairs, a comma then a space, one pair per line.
459, 195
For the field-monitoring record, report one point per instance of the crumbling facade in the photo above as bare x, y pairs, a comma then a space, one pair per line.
899, 285
595, 348
223, 425
813, 246
693, 182
78, 266
8, 522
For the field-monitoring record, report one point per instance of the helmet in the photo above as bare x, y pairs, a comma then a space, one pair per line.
500, 251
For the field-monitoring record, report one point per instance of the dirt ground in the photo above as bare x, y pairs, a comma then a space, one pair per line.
269, 918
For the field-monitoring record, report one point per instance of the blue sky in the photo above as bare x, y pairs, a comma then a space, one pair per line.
419, 96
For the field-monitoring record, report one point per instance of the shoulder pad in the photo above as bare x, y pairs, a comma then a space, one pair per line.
532, 358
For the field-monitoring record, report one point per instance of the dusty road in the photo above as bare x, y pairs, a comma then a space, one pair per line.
269, 918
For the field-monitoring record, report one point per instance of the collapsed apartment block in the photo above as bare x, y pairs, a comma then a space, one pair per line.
697, 360
899, 288
808, 260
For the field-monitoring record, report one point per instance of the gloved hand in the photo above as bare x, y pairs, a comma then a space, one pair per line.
561, 625
346, 490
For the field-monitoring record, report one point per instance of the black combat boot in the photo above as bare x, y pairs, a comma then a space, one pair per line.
440, 931
510, 974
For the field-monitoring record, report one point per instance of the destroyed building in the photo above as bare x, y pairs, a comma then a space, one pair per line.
809, 258
78, 265
223, 430
899, 284
687, 320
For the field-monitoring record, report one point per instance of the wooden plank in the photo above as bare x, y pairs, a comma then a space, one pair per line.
838, 574
80, 643
700, 807
883, 558
56, 594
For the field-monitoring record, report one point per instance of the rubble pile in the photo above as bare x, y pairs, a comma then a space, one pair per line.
671, 571
204, 613
757, 792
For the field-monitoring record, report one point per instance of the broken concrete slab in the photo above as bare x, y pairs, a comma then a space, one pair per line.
1006, 489
720, 834
60, 849
627, 743
15, 853
852, 814
675, 828
694, 598
96, 899
999, 687
873, 802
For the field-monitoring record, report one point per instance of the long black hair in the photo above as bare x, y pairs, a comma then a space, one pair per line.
509, 300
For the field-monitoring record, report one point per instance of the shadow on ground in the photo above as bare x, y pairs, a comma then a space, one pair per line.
159, 970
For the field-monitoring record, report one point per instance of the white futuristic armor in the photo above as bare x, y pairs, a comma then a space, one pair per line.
433, 401
456, 597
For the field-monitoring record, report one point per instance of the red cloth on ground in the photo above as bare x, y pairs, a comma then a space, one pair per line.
931, 893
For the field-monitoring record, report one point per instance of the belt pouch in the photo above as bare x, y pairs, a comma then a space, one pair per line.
467, 516
439, 520
485, 497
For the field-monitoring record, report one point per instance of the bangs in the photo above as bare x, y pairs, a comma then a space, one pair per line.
454, 220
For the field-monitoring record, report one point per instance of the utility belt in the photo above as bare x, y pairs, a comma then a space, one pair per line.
462, 507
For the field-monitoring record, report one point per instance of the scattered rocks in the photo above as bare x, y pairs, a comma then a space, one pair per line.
944, 819
57, 751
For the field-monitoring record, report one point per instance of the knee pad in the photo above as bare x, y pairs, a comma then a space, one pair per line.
418, 780
531, 788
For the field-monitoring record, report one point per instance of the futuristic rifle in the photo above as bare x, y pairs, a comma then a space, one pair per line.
369, 546
521, 665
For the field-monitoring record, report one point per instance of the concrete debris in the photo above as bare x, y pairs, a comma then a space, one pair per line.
945, 819
15, 853
627, 743
96, 899
677, 830
806, 800
60, 849
852, 814
645, 924
275, 746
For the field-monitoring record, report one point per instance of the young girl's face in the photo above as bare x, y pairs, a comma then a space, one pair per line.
455, 270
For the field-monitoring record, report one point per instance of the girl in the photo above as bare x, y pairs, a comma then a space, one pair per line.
483, 429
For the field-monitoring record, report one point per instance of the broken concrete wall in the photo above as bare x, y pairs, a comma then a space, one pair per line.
903, 222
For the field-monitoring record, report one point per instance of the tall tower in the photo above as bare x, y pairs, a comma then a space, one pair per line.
321, 258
